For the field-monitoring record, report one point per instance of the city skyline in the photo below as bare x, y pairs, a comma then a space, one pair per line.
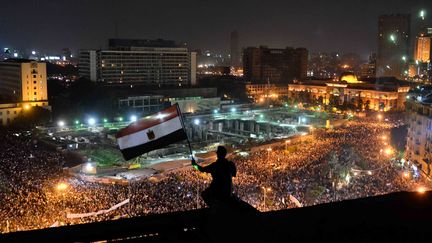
206, 26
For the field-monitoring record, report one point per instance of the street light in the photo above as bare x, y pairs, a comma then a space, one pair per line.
388, 151
421, 189
91, 121
268, 153
197, 121
61, 123
286, 144
133, 118
380, 117
265, 190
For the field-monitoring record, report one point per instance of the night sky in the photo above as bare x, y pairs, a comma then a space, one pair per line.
328, 25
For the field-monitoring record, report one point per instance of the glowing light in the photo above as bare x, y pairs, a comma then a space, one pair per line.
380, 117
105, 120
369, 172
197, 121
404, 58
421, 189
160, 115
406, 174
355, 173
388, 151
287, 141
61, 123
393, 38
269, 149
91, 121
62, 186
233, 109
33, 52
261, 116
422, 14
76, 122
303, 120
215, 111
120, 118
26, 106
15, 54
133, 118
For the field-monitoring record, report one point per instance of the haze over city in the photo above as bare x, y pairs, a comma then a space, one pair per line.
341, 26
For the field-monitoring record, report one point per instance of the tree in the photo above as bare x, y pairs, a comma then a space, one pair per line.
34, 116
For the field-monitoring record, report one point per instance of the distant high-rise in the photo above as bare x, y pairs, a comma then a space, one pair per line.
235, 50
148, 62
278, 66
422, 52
393, 45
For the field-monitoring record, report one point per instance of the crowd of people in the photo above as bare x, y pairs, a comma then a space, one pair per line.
328, 165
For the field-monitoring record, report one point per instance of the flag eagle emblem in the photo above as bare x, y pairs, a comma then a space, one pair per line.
140, 136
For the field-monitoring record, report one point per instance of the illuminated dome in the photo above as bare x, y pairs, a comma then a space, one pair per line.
349, 78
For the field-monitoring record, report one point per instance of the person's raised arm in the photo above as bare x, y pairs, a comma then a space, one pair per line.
199, 167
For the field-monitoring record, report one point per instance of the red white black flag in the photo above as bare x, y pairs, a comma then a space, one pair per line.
151, 132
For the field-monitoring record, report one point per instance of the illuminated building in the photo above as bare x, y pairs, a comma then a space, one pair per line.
423, 49
393, 45
147, 62
419, 143
261, 92
23, 84
279, 66
384, 96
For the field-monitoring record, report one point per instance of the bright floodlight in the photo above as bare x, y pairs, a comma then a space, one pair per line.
133, 118
61, 123
422, 14
404, 58
105, 120
233, 109
120, 118
303, 120
215, 111
15, 54
33, 52
91, 121
393, 38
197, 121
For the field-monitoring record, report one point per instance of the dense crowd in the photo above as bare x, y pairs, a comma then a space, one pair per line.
339, 164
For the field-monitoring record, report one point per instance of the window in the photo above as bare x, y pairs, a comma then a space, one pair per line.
35, 93
34, 76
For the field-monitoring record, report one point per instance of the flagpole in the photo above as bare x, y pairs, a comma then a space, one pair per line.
190, 150
187, 137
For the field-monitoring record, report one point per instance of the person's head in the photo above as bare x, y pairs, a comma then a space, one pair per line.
221, 152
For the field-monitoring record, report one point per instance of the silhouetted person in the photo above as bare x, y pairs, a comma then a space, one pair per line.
222, 171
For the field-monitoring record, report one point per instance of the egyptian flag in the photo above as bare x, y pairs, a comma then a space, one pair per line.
151, 132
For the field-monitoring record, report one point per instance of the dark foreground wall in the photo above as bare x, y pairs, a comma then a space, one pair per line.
398, 217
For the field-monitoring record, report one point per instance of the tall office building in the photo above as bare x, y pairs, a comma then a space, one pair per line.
393, 45
278, 66
23, 84
235, 50
23, 80
148, 62
422, 52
